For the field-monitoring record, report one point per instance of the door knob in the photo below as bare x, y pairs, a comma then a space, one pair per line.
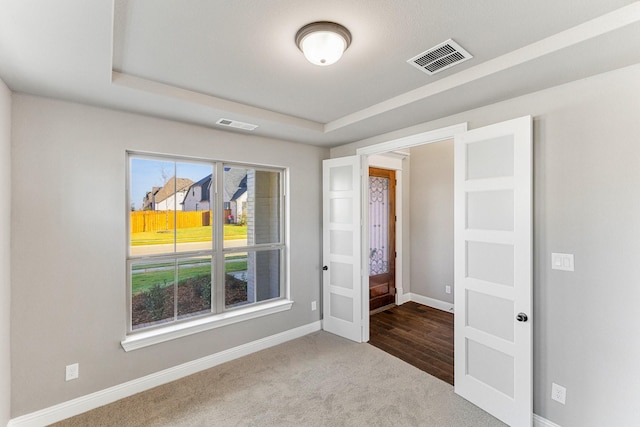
521, 317
325, 268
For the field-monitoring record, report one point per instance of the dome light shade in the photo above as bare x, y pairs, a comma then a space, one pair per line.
323, 43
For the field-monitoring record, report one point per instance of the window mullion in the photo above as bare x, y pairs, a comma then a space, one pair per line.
218, 226
175, 289
175, 215
283, 186
175, 243
282, 236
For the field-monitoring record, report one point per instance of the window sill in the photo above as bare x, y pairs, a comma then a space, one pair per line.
156, 336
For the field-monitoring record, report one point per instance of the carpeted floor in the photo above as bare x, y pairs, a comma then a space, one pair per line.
316, 380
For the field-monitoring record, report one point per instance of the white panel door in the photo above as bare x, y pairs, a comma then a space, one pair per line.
341, 282
493, 269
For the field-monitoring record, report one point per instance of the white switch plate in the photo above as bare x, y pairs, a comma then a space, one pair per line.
558, 393
72, 372
313, 306
562, 262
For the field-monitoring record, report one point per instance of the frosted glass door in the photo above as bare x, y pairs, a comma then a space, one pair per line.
493, 269
341, 281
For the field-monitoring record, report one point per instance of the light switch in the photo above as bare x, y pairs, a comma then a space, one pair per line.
562, 262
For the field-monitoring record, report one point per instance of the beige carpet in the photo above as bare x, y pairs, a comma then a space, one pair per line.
316, 380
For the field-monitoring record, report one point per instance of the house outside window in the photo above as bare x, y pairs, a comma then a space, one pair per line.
188, 261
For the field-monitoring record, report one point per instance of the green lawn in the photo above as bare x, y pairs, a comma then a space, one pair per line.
232, 267
142, 281
186, 235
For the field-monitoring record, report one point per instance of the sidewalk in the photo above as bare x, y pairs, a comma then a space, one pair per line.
182, 247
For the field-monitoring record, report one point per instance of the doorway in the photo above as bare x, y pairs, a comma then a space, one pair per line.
415, 331
382, 238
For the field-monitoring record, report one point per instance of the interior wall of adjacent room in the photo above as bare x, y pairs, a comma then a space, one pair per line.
586, 203
69, 247
5, 255
432, 220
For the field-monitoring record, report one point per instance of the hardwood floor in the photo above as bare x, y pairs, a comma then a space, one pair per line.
417, 334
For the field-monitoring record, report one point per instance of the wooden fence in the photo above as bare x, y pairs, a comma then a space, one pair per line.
164, 220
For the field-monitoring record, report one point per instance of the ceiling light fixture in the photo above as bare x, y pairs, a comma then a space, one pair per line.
323, 42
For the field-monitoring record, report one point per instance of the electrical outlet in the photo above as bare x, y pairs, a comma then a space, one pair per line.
447, 289
313, 306
558, 393
72, 372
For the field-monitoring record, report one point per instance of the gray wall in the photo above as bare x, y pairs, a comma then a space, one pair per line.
431, 204
5, 248
69, 241
586, 202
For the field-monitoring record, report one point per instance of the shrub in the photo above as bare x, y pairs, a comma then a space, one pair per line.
203, 290
154, 301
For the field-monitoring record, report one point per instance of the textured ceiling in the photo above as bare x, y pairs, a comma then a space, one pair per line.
199, 61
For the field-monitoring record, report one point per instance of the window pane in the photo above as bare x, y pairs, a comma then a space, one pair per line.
152, 293
253, 214
235, 204
194, 286
193, 203
150, 186
235, 280
174, 212
266, 279
252, 277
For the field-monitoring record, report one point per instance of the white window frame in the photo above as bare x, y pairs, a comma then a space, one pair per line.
220, 315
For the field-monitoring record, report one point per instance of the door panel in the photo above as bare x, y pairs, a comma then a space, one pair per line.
493, 269
382, 226
342, 296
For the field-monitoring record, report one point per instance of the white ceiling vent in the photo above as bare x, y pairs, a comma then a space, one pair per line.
440, 57
236, 124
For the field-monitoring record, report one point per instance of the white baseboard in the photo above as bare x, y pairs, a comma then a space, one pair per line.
401, 298
94, 400
538, 421
431, 302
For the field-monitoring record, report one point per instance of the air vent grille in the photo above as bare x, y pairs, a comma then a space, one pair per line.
440, 57
236, 124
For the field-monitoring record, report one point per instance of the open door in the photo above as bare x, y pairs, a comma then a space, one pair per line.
493, 269
341, 254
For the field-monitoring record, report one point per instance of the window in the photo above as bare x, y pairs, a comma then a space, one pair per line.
206, 239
